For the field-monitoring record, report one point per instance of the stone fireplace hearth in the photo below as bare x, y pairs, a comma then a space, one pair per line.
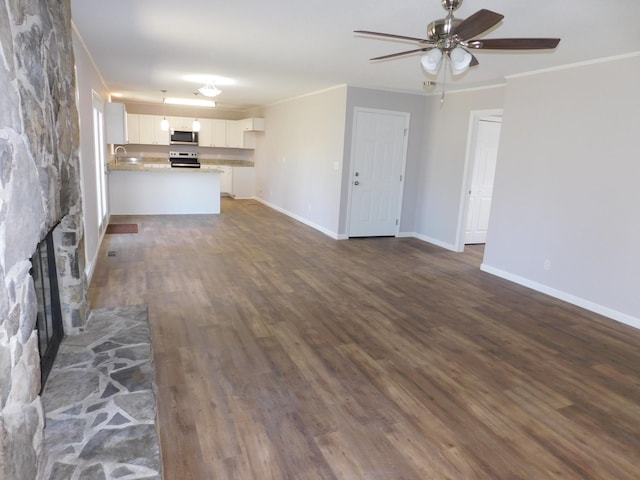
100, 402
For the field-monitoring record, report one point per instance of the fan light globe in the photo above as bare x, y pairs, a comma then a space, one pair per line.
431, 60
460, 60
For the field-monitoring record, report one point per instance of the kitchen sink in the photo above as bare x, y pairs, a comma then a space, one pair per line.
129, 160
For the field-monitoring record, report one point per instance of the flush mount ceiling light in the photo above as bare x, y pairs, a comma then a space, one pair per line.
190, 102
209, 89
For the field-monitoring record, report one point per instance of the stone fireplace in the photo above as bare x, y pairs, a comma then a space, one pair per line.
39, 190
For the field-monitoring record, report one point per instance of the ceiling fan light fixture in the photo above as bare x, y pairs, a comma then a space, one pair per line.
209, 89
431, 60
460, 60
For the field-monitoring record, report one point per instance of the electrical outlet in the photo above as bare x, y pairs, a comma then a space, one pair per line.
547, 264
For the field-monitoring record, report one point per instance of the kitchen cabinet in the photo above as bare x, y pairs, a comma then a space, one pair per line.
242, 182
226, 179
133, 128
240, 133
150, 131
115, 115
213, 133
235, 135
181, 123
251, 124
164, 191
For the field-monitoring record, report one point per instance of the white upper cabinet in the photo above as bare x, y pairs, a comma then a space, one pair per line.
235, 134
252, 124
213, 133
181, 123
150, 131
115, 115
133, 127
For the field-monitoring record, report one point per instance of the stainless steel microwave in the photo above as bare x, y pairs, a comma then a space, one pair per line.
183, 137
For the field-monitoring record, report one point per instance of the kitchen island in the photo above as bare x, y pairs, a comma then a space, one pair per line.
154, 188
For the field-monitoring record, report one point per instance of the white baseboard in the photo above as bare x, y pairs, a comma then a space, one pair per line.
564, 296
89, 269
300, 219
433, 241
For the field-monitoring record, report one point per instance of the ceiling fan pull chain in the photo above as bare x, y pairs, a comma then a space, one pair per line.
444, 79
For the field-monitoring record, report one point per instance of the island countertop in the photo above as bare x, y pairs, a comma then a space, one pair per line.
145, 189
141, 163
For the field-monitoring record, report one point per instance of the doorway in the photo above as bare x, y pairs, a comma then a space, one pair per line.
378, 158
479, 174
100, 161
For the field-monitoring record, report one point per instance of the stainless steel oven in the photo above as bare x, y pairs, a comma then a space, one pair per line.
184, 160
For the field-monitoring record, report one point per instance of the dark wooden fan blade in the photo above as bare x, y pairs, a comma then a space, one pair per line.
474, 60
401, 53
392, 35
477, 23
514, 43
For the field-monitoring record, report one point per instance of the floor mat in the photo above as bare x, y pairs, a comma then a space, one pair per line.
122, 228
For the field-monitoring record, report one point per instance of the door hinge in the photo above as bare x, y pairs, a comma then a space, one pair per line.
405, 131
400, 177
396, 221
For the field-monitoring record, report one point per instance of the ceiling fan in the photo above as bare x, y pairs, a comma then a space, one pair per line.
452, 38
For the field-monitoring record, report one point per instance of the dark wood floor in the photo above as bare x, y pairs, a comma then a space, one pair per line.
283, 354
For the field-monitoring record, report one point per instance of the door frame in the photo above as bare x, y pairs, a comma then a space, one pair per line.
467, 175
403, 166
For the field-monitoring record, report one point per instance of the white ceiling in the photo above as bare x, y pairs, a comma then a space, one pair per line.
277, 49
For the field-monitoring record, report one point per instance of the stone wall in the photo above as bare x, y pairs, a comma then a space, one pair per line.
39, 188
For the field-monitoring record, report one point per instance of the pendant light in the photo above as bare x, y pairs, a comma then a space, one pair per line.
164, 123
196, 122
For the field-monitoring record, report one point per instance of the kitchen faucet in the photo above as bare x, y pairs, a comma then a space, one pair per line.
124, 150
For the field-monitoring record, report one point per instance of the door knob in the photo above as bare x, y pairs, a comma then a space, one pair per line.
356, 183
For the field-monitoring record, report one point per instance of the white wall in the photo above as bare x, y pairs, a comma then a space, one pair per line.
567, 187
298, 160
88, 78
441, 175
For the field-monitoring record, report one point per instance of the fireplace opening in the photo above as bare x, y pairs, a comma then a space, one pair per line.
49, 320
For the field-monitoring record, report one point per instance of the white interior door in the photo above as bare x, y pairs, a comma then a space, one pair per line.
378, 159
481, 190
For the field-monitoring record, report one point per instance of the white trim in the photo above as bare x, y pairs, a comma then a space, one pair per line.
574, 65
300, 219
90, 268
435, 242
567, 297
310, 94
466, 90
467, 174
403, 166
